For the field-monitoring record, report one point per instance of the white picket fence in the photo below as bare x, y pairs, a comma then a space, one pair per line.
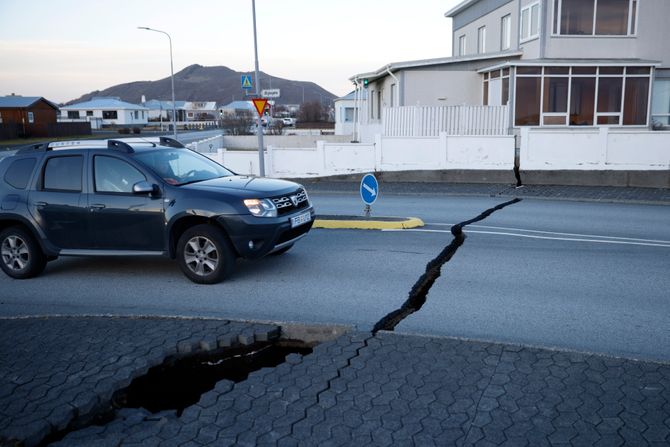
418, 121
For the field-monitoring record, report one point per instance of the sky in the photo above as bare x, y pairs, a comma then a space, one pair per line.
63, 49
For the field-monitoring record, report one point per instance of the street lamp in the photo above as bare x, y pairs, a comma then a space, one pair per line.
174, 106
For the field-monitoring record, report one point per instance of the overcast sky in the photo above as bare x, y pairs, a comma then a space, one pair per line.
61, 49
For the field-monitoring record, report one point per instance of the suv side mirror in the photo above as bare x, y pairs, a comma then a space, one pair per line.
145, 187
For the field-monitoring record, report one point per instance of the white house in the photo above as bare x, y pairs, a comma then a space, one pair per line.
106, 111
346, 109
237, 108
581, 83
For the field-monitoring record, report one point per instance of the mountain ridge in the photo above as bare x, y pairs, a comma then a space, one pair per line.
215, 83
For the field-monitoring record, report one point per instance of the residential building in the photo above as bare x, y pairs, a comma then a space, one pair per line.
346, 109
162, 110
106, 112
580, 84
31, 116
238, 108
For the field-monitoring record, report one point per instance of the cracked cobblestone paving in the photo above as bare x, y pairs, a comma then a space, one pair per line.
387, 389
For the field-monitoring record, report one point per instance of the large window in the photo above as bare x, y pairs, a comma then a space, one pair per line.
530, 22
496, 88
582, 96
73, 114
461, 46
109, 115
506, 32
595, 17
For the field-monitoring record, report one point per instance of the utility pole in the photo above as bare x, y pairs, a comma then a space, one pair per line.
259, 125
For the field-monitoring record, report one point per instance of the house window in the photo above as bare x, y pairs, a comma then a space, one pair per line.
660, 110
348, 114
481, 40
595, 17
582, 96
530, 22
379, 104
0, 117
31, 117
73, 114
506, 32
89, 113
137, 114
109, 115
461, 45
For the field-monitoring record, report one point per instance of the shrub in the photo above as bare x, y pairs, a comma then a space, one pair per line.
124, 130
136, 130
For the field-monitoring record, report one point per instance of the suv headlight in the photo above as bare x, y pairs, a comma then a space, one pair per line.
261, 207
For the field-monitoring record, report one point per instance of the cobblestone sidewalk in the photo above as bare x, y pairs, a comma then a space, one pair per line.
359, 389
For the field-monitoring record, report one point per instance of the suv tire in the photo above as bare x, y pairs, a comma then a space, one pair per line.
20, 255
205, 255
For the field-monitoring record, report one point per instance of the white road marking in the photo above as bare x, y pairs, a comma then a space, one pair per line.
530, 236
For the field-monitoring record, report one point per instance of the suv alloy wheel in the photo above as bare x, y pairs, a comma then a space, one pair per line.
205, 255
20, 256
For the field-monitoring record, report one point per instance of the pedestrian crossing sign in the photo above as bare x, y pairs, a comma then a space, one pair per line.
246, 82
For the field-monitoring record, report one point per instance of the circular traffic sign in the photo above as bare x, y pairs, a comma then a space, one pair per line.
369, 189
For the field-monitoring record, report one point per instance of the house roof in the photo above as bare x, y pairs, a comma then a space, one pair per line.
22, 102
240, 105
383, 71
352, 96
572, 62
104, 103
465, 4
155, 104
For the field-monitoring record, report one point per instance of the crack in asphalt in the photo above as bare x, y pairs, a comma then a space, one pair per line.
419, 293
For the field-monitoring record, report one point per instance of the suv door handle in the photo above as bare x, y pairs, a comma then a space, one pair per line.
40, 204
97, 206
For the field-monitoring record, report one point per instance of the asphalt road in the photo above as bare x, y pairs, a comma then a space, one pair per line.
583, 276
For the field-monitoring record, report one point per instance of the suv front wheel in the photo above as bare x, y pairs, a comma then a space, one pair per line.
20, 255
205, 255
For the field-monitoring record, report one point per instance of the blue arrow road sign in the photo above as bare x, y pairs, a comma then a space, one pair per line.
246, 82
369, 189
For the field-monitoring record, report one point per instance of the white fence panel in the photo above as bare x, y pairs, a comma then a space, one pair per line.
416, 121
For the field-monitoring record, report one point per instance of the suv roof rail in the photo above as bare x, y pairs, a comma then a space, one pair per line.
39, 147
120, 146
170, 142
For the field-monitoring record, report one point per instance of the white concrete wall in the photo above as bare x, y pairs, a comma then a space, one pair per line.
385, 154
594, 149
306, 141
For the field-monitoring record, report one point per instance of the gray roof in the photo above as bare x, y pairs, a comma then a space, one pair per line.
240, 105
21, 102
104, 104
460, 7
380, 73
352, 96
573, 62
155, 104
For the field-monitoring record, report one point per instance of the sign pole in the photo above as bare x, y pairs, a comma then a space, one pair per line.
259, 123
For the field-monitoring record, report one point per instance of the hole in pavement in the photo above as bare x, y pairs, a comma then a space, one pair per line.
179, 382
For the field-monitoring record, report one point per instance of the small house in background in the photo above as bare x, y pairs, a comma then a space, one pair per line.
346, 109
161, 111
106, 112
26, 116
237, 108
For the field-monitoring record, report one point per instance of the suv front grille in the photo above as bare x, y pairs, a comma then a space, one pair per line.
292, 202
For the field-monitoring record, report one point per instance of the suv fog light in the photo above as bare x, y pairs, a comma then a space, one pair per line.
251, 245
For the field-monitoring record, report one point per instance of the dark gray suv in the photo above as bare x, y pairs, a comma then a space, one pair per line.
141, 197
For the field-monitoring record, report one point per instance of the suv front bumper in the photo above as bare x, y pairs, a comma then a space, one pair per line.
254, 237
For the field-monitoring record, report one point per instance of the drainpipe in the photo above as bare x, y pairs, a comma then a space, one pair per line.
397, 82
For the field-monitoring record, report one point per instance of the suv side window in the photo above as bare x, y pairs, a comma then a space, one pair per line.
114, 175
63, 173
18, 173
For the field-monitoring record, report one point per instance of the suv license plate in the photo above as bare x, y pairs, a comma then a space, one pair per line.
301, 219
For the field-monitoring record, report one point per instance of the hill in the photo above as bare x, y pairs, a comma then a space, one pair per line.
220, 84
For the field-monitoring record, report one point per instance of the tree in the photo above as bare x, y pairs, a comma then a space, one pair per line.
312, 112
240, 123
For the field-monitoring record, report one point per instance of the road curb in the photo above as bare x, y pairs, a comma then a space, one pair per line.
367, 223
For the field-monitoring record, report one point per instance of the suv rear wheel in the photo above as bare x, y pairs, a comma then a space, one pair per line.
20, 255
205, 255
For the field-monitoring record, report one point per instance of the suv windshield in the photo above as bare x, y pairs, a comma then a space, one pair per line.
181, 166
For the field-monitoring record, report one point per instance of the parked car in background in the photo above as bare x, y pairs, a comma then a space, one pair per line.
141, 197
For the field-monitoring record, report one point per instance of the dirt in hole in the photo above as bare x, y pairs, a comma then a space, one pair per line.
179, 383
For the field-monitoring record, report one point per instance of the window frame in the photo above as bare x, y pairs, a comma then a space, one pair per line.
529, 9
31, 117
631, 30
462, 45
